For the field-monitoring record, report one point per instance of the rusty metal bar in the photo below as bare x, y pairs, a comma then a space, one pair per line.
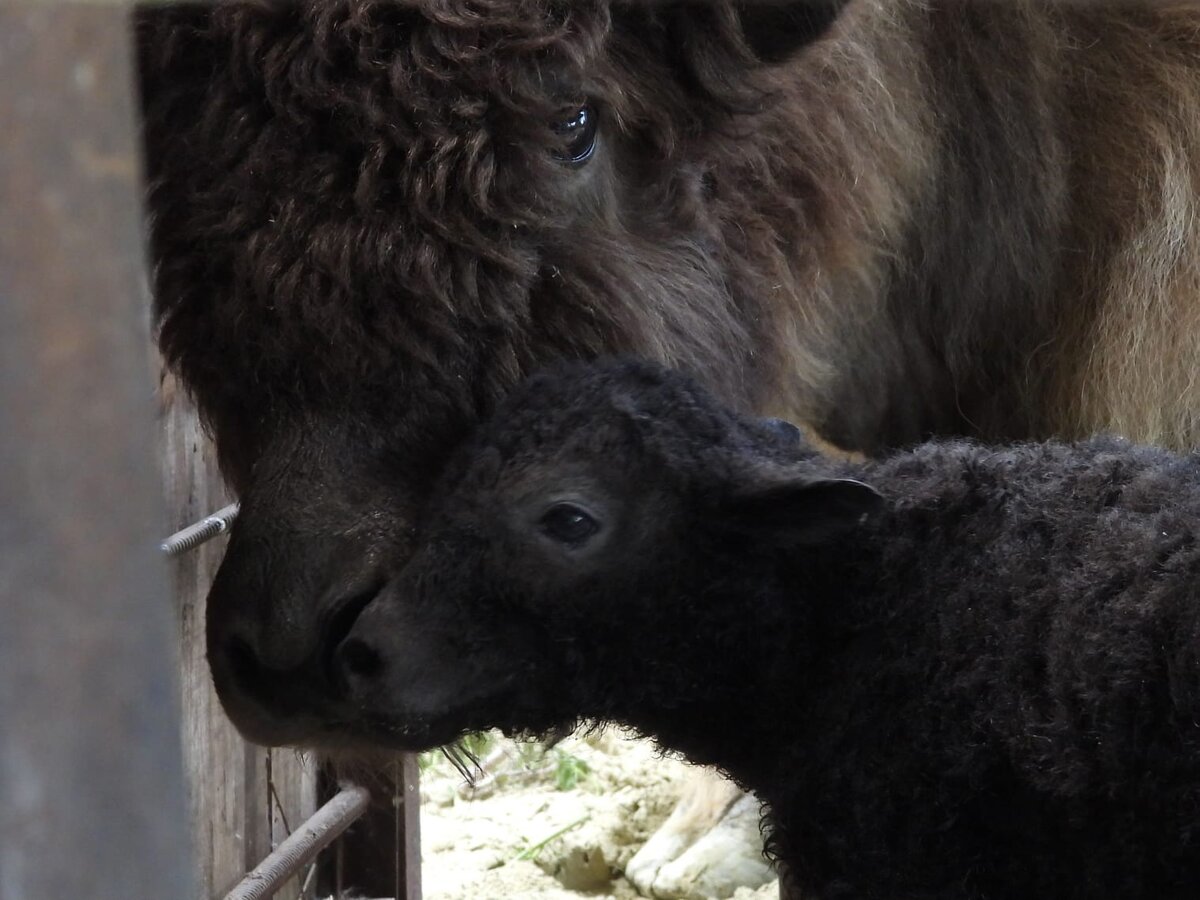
304, 844
91, 789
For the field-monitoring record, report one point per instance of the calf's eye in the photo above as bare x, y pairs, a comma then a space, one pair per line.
577, 129
568, 524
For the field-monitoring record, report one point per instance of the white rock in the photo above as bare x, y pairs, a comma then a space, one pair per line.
709, 847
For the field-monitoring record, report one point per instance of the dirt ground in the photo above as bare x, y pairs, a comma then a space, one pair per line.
557, 824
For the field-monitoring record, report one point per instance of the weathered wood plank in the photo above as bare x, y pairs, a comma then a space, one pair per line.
408, 829
239, 795
214, 755
293, 781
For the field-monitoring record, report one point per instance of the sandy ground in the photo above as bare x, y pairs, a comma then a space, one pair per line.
556, 824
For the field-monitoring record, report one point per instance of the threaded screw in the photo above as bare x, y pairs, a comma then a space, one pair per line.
203, 531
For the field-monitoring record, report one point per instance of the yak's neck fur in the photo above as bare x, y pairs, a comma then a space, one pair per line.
970, 664
979, 171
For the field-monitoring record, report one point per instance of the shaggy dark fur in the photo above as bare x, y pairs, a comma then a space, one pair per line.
984, 683
884, 218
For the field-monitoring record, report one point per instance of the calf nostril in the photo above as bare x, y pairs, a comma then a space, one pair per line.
360, 660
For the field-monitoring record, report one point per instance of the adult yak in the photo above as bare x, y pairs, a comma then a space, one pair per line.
886, 218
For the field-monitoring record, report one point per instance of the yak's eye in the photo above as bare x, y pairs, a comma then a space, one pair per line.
568, 524
577, 130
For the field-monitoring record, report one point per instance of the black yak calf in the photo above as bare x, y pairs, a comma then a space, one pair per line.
958, 672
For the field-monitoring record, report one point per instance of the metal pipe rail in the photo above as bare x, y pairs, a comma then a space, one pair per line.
303, 845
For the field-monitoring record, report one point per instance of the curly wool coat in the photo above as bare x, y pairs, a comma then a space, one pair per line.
960, 672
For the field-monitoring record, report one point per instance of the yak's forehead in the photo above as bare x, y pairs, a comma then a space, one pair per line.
619, 412
623, 424
423, 66
437, 42
359, 174
416, 102
437, 112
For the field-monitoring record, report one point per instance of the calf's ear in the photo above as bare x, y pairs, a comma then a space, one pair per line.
776, 29
802, 512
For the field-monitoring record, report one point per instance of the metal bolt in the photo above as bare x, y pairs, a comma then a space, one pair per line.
203, 531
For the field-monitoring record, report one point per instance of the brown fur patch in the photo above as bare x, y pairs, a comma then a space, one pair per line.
1131, 364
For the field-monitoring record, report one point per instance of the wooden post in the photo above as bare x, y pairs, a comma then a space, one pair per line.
244, 800
408, 828
91, 792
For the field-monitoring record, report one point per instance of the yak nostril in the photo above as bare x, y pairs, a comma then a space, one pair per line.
243, 662
337, 640
360, 660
